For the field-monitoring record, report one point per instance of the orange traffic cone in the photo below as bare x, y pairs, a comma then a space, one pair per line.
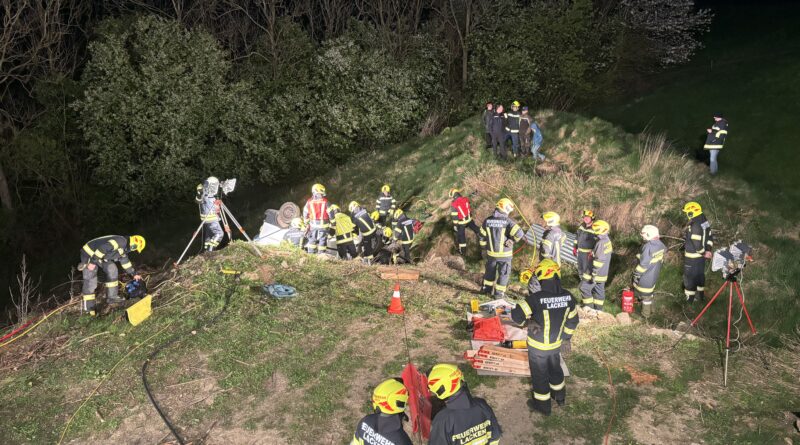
396, 306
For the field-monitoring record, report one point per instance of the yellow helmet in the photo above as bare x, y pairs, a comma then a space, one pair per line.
589, 213
444, 380
547, 269
601, 227
552, 219
296, 223
390, 397
692, 209
398, 213
387, 232
453, 192
334, 208
525, 276
515, 103
353, 206
386, 188
137, 243
505, 205
650, 232
375, 215
318, 189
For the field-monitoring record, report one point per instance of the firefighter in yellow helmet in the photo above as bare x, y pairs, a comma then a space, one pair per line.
552, 239
366, 227
498, 234
697, 245
464, 419
316, 216
461, 215
552, 318
385, 426
404, 232
104, 253
593, 283
385, 205
585, 240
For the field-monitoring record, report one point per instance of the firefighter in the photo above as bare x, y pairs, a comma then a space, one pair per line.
486, 119
464, 419
497, 128
461, 214
584, 244
296, 233
386, 205
315, 215
697, 246
104, 253
385, 426
593, 284
498, 235
715, 140
366, 227
206, 199
646, 274
343, 229
552, 317
552, 239
512, 127
404, 234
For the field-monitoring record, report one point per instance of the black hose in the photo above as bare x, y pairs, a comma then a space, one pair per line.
172, 340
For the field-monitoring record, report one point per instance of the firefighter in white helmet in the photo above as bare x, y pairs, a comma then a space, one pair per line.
593, 284
646, 274
552, 239
385, 426
209, 204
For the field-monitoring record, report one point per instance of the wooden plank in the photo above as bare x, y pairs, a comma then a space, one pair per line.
501, 363
398, 273
503, 369
518, 354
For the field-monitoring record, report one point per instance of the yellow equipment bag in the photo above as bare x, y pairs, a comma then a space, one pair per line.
140, 311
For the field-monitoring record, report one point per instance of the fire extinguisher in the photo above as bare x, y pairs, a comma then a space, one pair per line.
627, 300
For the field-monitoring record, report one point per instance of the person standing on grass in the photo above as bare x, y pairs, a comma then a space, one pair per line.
536, 135
512, 128
497, 128
486, 119
525, 132
715, 140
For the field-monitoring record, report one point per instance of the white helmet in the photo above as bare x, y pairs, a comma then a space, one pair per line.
650, 232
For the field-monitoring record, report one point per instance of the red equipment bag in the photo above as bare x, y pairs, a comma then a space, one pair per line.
417, 225
488, 329
419, 400
627, 300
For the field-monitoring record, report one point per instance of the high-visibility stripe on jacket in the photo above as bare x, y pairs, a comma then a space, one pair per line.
697, 239
716, 139
379, 429
365, 224
315, 213
404, 230
495, 231
651, 259
601, 259
512, 121
385, 203
585, 238
343, 228
551, 314
460, 211
108, 248
465, 420
552, 241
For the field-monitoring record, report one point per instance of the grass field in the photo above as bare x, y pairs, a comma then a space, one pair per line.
301, 371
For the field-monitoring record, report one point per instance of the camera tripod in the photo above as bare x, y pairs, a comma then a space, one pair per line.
732, 283
224, 214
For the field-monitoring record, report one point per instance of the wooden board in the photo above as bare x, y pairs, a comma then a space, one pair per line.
398, 273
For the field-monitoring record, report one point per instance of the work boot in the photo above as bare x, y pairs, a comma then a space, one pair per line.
112, 301
500, 294
535, 409
701, 296
560, 403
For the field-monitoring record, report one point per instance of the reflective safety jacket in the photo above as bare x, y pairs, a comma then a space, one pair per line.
498, 235
294, 236
601, 259
385, 203
650, 261
512, 121
343, 228
460, 210
315, 213
209, 210
465, 420
551, 314
716, 139
585, 238
365, 224
108, 248
380, 429
404, 230
552, 241
697, 239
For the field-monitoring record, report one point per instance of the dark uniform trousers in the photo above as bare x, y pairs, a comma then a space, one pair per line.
584, 263
547, 378
694, 277
90, 284
498, 272
461, 233
347, 248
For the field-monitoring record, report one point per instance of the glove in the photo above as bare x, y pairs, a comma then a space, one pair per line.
509, 243
575, 251
566, 347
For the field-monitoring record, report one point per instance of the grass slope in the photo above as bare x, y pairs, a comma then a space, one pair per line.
301, 371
